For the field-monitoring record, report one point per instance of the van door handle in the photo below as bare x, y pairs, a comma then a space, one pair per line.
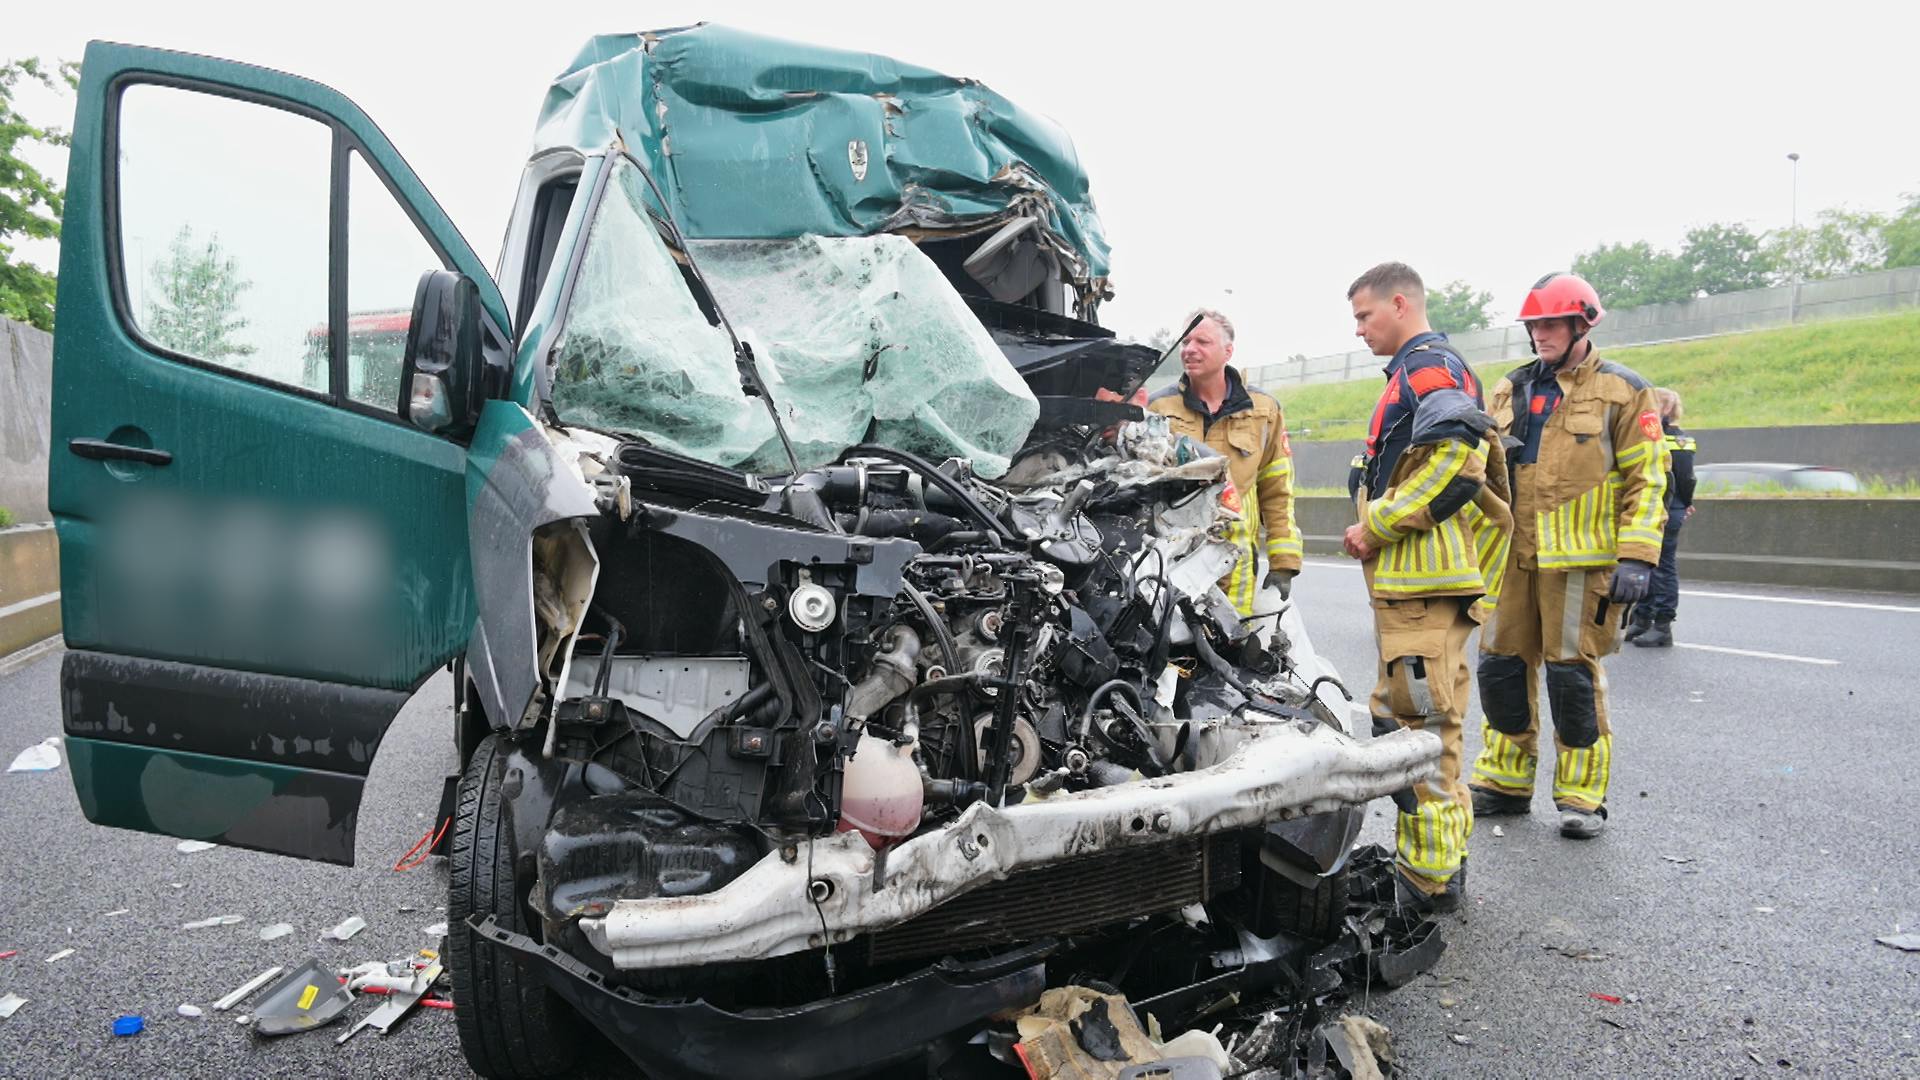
101, 450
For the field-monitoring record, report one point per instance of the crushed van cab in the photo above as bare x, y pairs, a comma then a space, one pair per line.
823, 649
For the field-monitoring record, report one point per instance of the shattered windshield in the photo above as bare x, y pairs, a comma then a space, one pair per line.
859, 339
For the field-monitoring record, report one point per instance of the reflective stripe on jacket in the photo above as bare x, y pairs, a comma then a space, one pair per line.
1464, 553
1260, 460
1597, 494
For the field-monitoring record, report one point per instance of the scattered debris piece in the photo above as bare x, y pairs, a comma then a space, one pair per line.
215, 920
348, 927
408, 909
9, 954
1363, 1046
246, 989
1447, 1003
1499, 830
117, 911
398, 1004
1076, 1031
43, 756
191, 1012
61, 955
10, 1004
1574, 952
1763, 910
124, 1026
1459, 1039
436, 1003
276, 931
438, 929
1681, 859
1903, 942
1611, 1022
193, 847
1756, 1058
1608, 998
307, 997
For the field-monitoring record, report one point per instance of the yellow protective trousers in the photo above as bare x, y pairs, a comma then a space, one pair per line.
1558, 621
1423, 684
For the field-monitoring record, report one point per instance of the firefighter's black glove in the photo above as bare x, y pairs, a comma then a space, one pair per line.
1631, 580
1281, 581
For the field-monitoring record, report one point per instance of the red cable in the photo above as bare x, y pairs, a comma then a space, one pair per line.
428, 842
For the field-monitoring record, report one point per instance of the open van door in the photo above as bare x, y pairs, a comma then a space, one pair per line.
263, 534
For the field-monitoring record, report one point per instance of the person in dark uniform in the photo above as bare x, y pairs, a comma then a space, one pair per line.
1653, 620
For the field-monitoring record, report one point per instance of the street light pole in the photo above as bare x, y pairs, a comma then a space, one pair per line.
1795, 158
1793, 298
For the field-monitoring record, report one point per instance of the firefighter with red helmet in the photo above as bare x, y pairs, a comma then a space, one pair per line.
1589, 475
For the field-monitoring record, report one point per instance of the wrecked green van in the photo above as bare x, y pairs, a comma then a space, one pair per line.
817, 659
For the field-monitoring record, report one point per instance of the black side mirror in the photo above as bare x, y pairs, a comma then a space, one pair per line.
440, 373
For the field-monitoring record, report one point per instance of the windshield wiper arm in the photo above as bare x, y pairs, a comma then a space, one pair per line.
752, 384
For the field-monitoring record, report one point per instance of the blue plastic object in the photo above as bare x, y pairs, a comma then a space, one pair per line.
128, 1025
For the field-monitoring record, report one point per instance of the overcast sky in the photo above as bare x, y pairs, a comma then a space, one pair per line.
1254, 160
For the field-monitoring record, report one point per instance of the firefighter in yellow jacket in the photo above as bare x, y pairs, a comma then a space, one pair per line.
1589, 486
1433, 527
1214, 404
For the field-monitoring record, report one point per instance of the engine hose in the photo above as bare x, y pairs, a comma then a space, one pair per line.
949, 652
1313, 690
1163, 636
1122, 686
941, 480
1220, 666
954, 684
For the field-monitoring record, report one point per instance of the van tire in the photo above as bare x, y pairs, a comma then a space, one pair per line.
1318, 914
511, 1025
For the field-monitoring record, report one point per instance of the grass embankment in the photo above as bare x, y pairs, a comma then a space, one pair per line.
1853, 371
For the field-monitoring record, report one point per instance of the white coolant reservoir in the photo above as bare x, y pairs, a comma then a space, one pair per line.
880, 792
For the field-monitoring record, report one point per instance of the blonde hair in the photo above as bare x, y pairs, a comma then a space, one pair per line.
1670, 408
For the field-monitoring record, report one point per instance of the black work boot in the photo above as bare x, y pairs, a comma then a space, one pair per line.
1490, 803
1660, 636
1638, 623
1449, 900
1580, 824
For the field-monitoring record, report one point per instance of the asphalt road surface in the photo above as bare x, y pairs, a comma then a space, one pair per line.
1763, 834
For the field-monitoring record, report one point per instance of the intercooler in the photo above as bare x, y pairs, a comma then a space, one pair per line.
1078, 894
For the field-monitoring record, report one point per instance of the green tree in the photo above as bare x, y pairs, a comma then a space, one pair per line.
1630, 275
1725, 258
1844, 242
1902, 234
1454, 308
195, 304
30, 202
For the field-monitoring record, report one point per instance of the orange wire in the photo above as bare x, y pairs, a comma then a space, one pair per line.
427, 842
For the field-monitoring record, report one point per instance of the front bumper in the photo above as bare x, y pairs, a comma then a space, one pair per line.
827, 892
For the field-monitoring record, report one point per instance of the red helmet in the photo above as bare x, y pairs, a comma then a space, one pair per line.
1559, 296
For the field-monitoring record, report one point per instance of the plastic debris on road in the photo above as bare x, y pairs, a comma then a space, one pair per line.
438, 929
61, 955
348, 927
128, 1025
43, 756
1608, 998
1903, 942
191, 1012
310, 996
1459, 1039
9, 954
1362, 1046
245, 989
216, 920
10, 1004
117, 911
276, 931
1499, 830
189, 847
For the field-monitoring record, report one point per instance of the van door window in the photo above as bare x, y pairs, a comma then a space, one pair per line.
222, 228
386, 254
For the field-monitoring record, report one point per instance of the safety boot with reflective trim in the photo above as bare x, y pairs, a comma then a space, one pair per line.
1450, 899
1582, 824
1490, 803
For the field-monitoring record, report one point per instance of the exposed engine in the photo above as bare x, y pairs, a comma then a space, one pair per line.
879, 644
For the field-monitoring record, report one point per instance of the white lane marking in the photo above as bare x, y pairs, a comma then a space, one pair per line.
1801, 600
1758, 653
28, 604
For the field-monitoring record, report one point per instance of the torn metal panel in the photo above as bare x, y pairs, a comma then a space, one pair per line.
516, 483
777, 907
754, 137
